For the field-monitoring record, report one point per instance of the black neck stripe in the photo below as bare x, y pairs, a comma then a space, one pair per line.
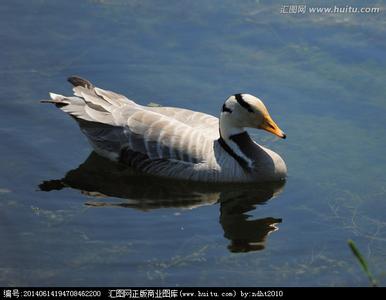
242, 102
242, 162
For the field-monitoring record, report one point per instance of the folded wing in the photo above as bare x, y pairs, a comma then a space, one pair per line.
114, 123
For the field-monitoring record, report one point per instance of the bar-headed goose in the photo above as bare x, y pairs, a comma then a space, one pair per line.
176, 142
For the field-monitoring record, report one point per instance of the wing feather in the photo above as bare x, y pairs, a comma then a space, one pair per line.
117, 126
113, 98
160, 137
207, 124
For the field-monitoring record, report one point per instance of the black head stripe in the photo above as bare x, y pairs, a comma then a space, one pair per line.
226, 109
242, 102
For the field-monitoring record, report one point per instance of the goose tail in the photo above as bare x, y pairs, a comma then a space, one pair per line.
98, 113
89, 103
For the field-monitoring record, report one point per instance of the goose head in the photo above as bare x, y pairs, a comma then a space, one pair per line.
246, 111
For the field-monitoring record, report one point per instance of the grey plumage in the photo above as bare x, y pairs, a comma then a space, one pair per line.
163, 141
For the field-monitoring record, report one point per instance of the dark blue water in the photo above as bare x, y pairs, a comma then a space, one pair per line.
68, 217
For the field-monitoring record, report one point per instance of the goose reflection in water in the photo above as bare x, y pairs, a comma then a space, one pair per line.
101, 178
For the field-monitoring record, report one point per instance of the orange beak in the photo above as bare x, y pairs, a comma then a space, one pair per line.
269, 125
